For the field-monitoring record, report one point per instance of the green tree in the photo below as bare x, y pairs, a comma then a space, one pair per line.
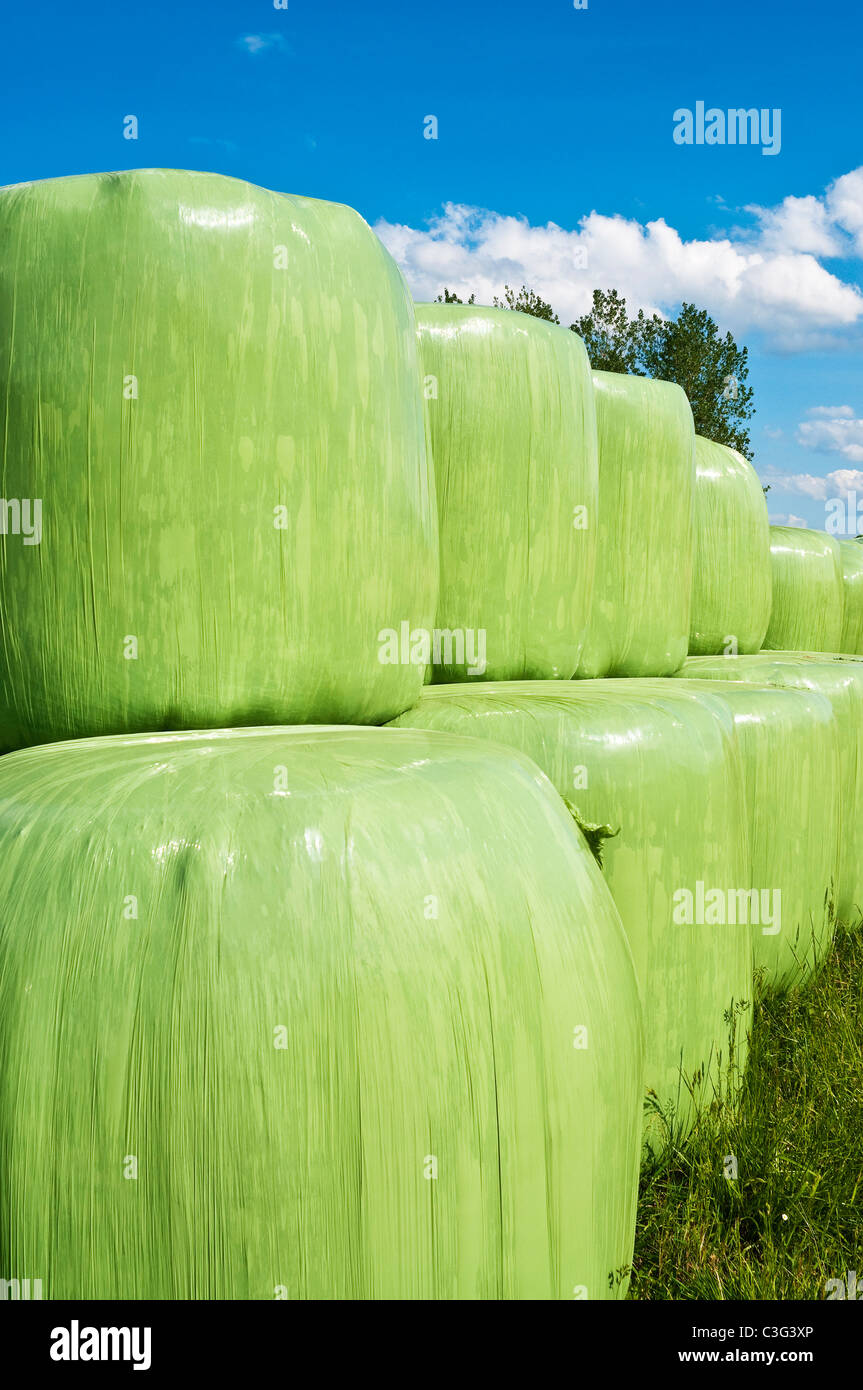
711, 369
450, 297
612, 338
526, 302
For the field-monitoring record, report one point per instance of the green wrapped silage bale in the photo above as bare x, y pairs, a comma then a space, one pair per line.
309, 1013
213, 393
851, 552
731, 586
791, 761
664, 773
841, 681
808, 598
513, 430
639, 622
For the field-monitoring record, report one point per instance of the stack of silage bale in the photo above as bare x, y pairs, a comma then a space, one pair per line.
653, 472
773, 855
284, 1012
794, 873
356, 1007
804, 799
648, 756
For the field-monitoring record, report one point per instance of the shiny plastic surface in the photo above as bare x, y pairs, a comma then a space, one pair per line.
808, 597
639, 622
851, 552
664, 772
841, 681
513, 430
213, 391
731, 586
357, 1002
789, 742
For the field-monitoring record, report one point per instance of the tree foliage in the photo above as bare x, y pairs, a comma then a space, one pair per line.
450, 297
611, 337
526, 302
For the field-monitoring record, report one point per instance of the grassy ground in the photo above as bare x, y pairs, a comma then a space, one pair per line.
794, 1217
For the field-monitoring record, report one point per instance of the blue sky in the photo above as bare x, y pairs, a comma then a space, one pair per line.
555, 161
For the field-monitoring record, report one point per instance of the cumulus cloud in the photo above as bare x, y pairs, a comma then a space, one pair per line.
844, 201
799, 224
803, 484
786, 519
833, 430
829, 225
839, 483
769, 278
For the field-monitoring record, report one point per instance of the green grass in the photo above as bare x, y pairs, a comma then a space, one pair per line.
794, 1217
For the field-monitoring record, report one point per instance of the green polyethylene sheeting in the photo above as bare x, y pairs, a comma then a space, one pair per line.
513, 430
639, 622
213, 392
346, 1013
664, 774
731, 586
791, 760
841, 681
851, 552
808, 597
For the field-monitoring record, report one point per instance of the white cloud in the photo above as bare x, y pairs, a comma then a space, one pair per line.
262, 43
844, 200
834, 430
803, 484
829, 225
799, 224
769, 278
786, 519
839, 483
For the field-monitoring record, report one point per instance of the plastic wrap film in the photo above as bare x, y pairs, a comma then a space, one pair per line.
210, 398
808, 597
664, 774
731, 584
841, 681
309, 1013
513, 431
851, 552
639, 622
789, 744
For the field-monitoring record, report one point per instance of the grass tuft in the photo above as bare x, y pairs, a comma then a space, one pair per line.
793, 1217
